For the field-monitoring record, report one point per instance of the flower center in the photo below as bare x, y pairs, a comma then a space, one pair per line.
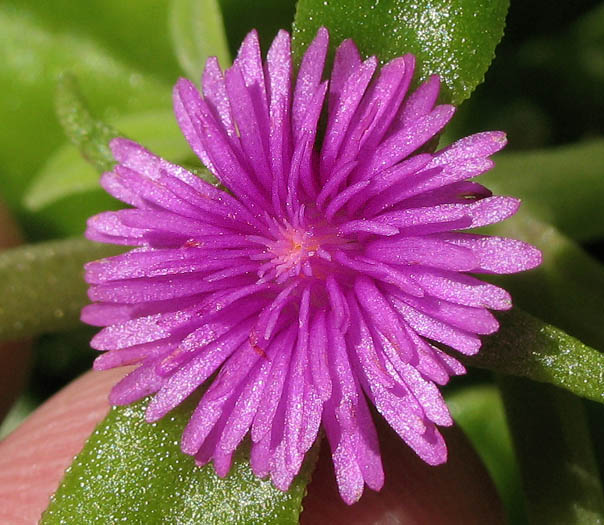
296, 250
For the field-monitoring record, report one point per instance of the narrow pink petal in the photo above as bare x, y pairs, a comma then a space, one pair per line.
367, 226
336, 179
341, 115
187, 379
187, 107
299, 169
312, 412
461, 289
226, 388
108, 227
260, 456
249, 59
465, 342
348, 473
382, 315
410, 138
279, 76
134, 354
297, 376
420, 102
215, 93
478, 145
496, 254
309, 78
114, 186
428, 395
273, 393
134, 291
365, 354
318, 356
130, 333
471, 319
339, 306
242, 415
432, 252
343, 197
137, 384
347, 60
368, 449
106, 314
249, 124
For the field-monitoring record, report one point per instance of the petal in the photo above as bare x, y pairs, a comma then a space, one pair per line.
425, 251
426, 326
137, 384
309, 78
496, 254
461, 289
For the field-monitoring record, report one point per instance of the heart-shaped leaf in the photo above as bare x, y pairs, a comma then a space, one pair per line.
455, 39
131, 471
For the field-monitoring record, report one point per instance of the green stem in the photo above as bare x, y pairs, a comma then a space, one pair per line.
554, 450
42, 287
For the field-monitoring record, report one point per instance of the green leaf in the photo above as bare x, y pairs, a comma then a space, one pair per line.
42, 287
553, 446
67, 173
526, 346
563, 186
567, 290
117, 26
131, 471
455, 39
32, 55
89, 135
197, 33
478, 410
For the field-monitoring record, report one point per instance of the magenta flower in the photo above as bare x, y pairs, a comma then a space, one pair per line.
326, 278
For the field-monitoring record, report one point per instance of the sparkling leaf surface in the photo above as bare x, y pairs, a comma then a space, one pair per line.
134, 472
455, 39
526, 346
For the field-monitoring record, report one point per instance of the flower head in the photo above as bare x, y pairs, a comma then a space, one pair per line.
327, 277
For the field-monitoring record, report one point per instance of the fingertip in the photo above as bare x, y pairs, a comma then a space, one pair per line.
33, 458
